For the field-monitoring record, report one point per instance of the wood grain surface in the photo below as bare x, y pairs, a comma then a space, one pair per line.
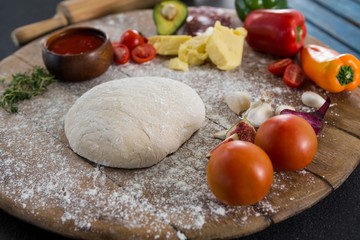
46, 184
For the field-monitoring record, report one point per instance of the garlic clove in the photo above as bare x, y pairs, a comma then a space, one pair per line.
282, 107
238, 102
220, 134
258, 113
312, 99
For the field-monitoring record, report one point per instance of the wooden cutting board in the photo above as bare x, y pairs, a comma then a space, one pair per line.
43, 182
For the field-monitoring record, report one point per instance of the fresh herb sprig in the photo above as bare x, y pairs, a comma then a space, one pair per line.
24, 86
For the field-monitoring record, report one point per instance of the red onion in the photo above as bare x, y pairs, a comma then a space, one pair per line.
314, 118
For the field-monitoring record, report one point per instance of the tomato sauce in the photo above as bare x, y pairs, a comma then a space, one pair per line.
76, 42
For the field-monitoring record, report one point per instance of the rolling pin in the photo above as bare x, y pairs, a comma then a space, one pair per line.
74, 11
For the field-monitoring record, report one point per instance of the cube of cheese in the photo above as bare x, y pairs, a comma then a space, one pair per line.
168, 44
225, 46
177, 64
193, 51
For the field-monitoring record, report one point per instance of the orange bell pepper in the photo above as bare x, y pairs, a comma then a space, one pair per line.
329, 69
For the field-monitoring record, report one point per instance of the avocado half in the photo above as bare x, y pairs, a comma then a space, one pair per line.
169, 16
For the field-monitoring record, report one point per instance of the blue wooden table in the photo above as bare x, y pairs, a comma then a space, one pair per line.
334, 22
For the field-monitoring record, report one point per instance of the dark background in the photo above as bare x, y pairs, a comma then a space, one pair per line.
335, 217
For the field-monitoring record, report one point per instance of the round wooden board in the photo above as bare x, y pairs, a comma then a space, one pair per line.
43, 182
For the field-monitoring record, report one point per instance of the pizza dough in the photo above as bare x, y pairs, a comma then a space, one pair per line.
133, 122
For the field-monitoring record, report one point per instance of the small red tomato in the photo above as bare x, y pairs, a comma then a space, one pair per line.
278, 68
143, 53
288, 140
121, 53
146, 40
239, 173
132, 38
293, 75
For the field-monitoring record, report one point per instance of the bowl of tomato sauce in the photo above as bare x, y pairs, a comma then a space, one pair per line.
77, 53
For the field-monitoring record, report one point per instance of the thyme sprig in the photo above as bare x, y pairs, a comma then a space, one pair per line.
24, 86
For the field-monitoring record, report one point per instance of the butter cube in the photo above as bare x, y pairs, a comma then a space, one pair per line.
168, 44
225, 46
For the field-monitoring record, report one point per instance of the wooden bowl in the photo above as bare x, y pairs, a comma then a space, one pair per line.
77, 54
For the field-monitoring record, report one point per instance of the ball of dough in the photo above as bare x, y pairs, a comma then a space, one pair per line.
133, 122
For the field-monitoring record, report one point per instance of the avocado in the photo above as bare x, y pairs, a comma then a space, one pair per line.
169, 16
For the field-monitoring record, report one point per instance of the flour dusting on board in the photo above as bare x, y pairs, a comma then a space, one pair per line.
47, 182
172, 192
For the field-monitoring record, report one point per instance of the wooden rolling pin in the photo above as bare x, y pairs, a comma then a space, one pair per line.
74, 11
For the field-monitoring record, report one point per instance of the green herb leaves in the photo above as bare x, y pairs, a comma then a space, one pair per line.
24, 86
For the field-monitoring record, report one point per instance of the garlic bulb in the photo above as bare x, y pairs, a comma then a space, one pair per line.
238, 102
312, 99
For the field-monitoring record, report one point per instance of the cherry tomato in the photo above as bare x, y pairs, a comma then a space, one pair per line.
143, 53
132, 38
293, 75
239, 173
121, 53
278, 68
146, 40
288, 140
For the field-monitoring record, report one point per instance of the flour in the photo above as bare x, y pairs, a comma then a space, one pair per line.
219, 211
180, 235
85, 194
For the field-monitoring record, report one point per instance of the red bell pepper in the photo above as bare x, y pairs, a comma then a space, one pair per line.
279, 32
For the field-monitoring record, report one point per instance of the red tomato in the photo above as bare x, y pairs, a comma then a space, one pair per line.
121, 53
132, 38
239, 173
293, 75
278, 68
288, 140
143, 53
